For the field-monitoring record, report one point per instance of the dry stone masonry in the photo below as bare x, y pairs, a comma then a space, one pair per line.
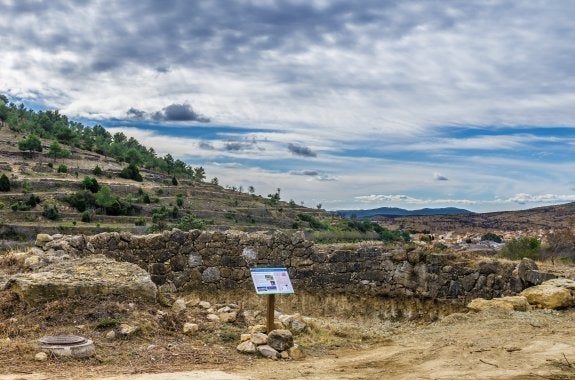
213, 260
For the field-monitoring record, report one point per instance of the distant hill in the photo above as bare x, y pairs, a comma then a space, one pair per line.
394, 211
544, 218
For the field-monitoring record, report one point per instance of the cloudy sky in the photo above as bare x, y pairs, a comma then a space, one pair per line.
349, 104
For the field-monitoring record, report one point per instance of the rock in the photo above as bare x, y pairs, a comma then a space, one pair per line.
296, 353
32, 262
297, 327
41, 357
244, 337
536, 277
228, 317
195, 261
280, 340
517, 303
212, 318
284, 355
127, 330
179, 306
88, 277
258, 329
246, 347
166, 294
548, 296
225, 309
191, 328
42, 239
111, 335
267, 351
204, 304
211, 274
561, 283
259, 338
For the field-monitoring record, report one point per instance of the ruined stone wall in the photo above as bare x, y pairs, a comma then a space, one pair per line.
209, 261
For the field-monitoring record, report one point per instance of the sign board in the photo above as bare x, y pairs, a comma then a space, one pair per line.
271, 281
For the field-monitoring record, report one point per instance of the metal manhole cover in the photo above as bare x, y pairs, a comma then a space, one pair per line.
62, 340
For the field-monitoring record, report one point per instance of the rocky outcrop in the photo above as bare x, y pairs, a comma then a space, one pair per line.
90, 276
552, 294
511, 303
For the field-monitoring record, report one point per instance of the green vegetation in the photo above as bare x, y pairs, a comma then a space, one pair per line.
131, 172
91, 183
525, 246
62, 168
87, 216
4, 183
56, 151
51, 125
31, 144
51, 212
490, 236
97, 171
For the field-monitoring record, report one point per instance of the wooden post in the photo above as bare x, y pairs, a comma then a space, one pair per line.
271, 307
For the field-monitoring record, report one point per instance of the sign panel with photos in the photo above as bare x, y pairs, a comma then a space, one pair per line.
271, 281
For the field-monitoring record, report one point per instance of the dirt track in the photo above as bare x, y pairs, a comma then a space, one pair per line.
488, 345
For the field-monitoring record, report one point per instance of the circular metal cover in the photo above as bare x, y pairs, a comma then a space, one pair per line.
62, 340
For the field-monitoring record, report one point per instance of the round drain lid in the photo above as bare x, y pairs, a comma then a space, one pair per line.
62, 340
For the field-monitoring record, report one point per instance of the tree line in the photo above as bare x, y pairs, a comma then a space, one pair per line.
52, 125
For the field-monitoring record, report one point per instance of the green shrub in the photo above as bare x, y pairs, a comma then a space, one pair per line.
4, 183
525, 246
33, 201
81, 200
490, 236
62, 168
87, 216
140, 221
97, 171
131, 172
51, 212
91, 183
106, 323
313, 222
180, 200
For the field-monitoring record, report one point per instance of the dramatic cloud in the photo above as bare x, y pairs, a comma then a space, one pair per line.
311, 173
136, 114
387, 91
179, 112
439, 177
173, 112
300, 150
205, 145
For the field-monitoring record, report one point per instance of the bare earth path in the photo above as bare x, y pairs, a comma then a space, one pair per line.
489, 345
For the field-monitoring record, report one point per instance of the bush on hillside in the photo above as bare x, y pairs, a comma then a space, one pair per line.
4, 183
131, 172
490, 236
51, 212
525, 246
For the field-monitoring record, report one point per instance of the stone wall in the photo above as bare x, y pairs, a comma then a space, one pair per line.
210, 261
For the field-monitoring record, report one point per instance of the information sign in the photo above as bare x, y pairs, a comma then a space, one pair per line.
271, 281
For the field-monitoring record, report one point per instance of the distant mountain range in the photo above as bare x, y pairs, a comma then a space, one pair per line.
394, 211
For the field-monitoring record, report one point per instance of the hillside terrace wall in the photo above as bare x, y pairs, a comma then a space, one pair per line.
213, 260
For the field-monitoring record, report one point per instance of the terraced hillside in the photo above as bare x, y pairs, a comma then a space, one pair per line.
36, 175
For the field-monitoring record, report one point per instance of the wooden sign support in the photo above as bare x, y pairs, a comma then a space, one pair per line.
271, 312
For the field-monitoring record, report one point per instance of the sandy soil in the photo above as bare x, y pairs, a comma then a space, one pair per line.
539, 344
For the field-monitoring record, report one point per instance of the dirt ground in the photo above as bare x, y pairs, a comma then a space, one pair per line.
538, 344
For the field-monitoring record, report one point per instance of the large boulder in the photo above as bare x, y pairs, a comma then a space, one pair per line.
514, 303
84, 277
549, 296
280, 340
